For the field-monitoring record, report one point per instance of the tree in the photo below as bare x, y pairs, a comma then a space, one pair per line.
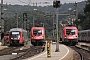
87, 7
86, 22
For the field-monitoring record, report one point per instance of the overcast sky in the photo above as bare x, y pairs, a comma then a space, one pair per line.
40, 2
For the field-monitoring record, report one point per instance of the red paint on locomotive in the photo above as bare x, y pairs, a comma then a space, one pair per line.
37, 35
70, 34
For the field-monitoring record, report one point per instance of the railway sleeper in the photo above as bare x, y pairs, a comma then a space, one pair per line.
86, 47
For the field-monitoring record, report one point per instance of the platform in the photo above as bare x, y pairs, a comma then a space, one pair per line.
65, 53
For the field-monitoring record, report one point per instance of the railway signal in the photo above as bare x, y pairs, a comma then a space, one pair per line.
24, 20
54, 25
25, 16
56, 4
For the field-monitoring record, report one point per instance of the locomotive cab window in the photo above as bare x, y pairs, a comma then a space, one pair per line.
37, 32
70, 31
15, 35
6, 34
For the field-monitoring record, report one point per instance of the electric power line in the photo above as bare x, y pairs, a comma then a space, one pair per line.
22, 2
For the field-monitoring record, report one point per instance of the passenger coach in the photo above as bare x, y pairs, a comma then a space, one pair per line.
84, 35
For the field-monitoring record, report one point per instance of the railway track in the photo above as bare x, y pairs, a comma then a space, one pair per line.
29, 52
20, 53
84, 54
9, 50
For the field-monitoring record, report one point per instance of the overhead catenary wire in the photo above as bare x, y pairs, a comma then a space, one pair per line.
34, 2
19, 1
22, 2
29, 2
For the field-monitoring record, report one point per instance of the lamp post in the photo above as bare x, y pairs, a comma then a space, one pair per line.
70, 19
76, 5
53, 28
33, 21
16, 18
34, 18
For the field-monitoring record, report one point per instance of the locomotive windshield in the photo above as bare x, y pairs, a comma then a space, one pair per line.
70, 31
6, 34
15, 35
37, 32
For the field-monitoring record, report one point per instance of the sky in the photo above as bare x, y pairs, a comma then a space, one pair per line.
39, 2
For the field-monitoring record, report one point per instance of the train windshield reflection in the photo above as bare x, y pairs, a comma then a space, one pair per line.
15, 35
70, 31
6, 34
37, 32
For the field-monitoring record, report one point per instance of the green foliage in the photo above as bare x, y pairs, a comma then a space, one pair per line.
86, 22
39, 15
87, 8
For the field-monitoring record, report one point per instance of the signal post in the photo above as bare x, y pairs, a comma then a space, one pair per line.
2, 23
56, 4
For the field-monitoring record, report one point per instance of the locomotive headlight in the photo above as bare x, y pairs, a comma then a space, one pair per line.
11, 38
42, 36
32, 37
18, 37
65, 37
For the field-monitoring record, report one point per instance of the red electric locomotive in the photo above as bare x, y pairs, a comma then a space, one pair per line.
18, 36
70, 35
37, 36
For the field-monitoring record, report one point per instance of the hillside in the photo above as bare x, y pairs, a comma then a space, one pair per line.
39, 15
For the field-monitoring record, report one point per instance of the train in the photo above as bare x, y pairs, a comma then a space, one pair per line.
37, 35
5, 38
69, 35
18, 36
84, 35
